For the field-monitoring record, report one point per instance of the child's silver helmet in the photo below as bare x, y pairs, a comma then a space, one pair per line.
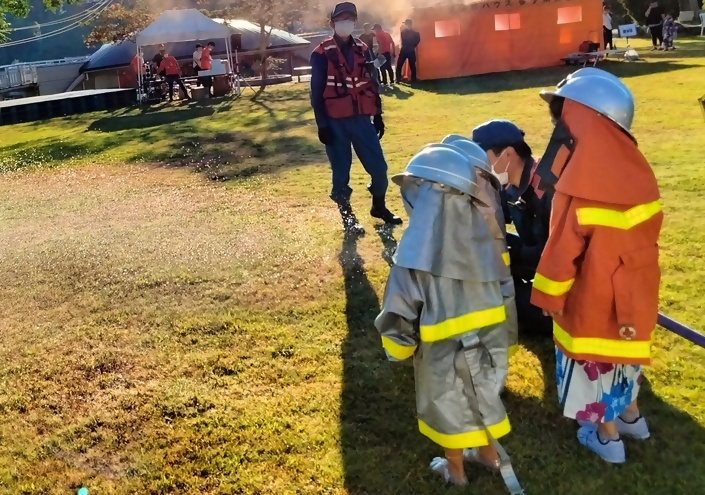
600, 91
444, 164
477, 155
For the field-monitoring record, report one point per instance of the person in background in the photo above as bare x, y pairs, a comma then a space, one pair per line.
443, 306
368, 37
669, 31
607, 26
171, 68
197, 57
197, 61
654, 19
599, 273
410, 39
525, 206
206, 64
349, 115
157, 60
137, 65
386, 48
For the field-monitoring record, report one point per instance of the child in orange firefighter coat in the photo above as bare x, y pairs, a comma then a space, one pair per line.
599, 274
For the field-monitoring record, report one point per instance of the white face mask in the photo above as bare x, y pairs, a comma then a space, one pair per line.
502, 177
344, 28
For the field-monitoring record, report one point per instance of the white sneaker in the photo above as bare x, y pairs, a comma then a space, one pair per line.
612, 451
637, 430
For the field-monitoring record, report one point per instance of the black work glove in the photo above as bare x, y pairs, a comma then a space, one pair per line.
325, 135
379, 125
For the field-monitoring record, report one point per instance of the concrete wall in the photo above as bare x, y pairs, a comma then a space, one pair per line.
104, 79
56, 79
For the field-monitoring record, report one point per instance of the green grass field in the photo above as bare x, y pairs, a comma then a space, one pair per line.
181, 312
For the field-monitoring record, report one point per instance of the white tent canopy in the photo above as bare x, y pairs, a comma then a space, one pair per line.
181, 25
173, 26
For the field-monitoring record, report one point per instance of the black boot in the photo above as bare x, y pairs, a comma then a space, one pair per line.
350, 223
379, 210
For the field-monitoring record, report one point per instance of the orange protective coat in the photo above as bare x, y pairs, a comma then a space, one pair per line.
600, 265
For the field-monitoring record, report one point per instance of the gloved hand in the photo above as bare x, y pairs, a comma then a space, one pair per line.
325, 135
379, 125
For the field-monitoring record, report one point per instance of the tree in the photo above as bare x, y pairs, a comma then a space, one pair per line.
21, 8
121, 21
269, 15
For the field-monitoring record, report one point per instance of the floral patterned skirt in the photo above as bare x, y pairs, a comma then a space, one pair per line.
595, 392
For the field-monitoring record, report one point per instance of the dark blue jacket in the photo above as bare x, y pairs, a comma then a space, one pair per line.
319, 78
531, 216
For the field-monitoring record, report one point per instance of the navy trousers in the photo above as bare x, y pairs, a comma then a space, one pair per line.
356, 132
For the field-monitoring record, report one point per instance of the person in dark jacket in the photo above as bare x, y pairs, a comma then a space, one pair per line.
654, 19
524, 206
368, 36
348, 111
410, 39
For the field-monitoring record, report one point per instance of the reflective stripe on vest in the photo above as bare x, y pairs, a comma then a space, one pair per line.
462, 324
552, 287
624, 220
612, 348
350, 83
506, 258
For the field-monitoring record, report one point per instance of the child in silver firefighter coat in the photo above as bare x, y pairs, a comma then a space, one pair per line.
443, 305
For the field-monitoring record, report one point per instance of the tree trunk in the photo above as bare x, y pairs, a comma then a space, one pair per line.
263, 43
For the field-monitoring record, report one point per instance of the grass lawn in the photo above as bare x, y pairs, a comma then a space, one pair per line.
181, 312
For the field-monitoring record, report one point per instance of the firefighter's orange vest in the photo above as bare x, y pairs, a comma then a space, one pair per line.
349, 90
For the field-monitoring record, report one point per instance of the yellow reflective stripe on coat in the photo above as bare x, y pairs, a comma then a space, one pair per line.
462, 324
397, 351
468, 439
552, 287
636, 349
505, 258
624, 220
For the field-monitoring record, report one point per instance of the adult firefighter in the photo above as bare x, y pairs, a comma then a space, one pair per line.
523, 205
488, 188
443, 306
599, 275
348, 111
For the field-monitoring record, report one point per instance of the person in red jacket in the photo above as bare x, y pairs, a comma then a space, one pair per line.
599, 273
171, 68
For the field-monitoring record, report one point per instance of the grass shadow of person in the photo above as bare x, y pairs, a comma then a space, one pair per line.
377, 415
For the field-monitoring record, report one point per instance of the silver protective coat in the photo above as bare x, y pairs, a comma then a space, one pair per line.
447, 309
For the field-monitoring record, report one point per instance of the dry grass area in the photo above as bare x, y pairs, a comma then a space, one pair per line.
181, 313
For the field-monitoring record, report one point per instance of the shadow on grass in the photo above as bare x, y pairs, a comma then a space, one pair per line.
226, 156
542, 78
115, 123
383, 453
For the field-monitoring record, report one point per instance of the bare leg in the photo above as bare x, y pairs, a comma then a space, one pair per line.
455, 465
608, 431
489, 454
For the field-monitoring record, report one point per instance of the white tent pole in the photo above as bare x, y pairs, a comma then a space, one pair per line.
228, 49
139, 75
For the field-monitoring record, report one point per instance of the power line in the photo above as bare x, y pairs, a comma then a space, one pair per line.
59, 21
86, 17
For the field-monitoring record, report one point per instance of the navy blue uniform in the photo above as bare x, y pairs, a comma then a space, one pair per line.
356, 131
530, 215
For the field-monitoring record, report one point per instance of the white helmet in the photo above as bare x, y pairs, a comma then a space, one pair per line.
444, 164
477, 155
599, 90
